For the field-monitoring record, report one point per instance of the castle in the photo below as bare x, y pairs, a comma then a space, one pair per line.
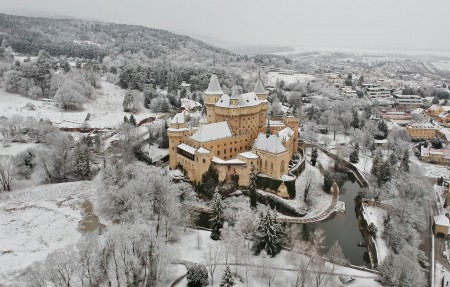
235, 134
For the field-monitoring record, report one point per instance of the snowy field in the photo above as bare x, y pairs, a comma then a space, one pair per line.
16, 148
36, 221
105, 110
273, 77
442, 65
194, 243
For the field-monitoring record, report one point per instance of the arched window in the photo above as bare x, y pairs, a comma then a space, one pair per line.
282, 166
271, 166
265, 164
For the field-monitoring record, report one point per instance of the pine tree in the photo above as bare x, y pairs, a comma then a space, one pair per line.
404, 165
216, 220
355, 122
376, 163
79, 159
125, 119
252, 187
327, 181
393, 159
384, 175
382, 126
164, 137
314, 156
268, 235
133, 120
86, 165
227, 278
354, 156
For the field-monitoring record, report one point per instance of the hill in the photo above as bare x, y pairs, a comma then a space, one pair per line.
95, 40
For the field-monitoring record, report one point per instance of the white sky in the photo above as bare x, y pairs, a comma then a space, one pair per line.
385, 24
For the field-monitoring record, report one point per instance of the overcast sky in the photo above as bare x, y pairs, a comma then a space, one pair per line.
386, 24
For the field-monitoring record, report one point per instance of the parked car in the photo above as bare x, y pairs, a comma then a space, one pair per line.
444, 253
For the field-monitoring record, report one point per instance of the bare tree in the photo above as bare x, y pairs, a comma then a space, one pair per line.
60, 266
211, 256
7, 172
336, 255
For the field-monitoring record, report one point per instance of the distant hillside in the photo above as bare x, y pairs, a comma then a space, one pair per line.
92, 40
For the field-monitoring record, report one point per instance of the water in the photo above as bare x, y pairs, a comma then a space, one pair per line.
90, 221
344, 227
340, 227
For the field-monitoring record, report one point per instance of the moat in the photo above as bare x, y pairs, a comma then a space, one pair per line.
341, 227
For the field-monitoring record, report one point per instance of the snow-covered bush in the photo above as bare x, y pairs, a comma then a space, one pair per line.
197, 276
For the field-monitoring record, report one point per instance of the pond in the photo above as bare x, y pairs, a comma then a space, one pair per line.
344, 227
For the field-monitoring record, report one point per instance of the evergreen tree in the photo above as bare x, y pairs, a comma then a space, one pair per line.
354, 156
355, 122
197, 276
376, 163
86, 166
382, 126
384, 174
252, 187
404, 165
393, 159
327, 181
227, 278
125, 119
268, 235
133, 120
435, 101
164, 137
314, 155
216, 220
79, 159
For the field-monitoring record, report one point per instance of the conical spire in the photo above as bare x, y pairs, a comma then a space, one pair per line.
214, 86
259, 88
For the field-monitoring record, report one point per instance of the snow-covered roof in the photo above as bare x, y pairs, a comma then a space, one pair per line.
417, 111
178, 118
433, 107
442, 220
245, 100
210, 132
446, 108
187, 148
203, 150
259, 88
270, 144
285, 133
189, 104
214, 86
249, 155
230, 161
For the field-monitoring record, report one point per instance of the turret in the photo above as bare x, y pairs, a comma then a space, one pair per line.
212, 95
234, 100
260, 91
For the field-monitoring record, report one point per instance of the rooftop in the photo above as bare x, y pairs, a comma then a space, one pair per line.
270, 144
214, 86
245, 100
211, 132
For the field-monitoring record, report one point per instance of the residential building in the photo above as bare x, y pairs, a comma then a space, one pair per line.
421, 131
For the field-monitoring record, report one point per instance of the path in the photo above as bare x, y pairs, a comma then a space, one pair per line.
178, 280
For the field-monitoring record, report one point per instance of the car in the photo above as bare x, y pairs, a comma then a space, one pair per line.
444, 253
448, 262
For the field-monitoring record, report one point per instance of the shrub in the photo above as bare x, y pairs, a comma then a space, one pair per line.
197, 276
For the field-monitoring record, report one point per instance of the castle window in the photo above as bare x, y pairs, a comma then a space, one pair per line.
218, 152
271, 166
204, 160
231, 150
224, 151
265, 164
282, 166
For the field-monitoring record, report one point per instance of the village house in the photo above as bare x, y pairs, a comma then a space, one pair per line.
234, 135
436, 156
421, 131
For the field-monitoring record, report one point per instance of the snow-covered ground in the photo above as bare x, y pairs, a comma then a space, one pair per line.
16, 148
439, 274
36, 221
376, 216
105, 110
273, 77
193, 243
154, 152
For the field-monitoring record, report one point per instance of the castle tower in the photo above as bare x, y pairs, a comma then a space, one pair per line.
212, 95
262, 93
293, 123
